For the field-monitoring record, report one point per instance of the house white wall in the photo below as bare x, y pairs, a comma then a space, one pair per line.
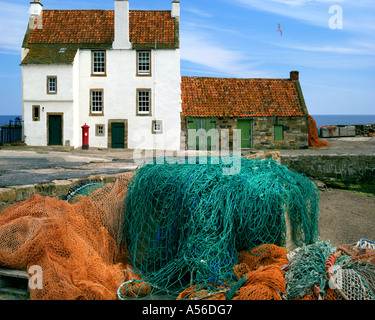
34, 79
120, 97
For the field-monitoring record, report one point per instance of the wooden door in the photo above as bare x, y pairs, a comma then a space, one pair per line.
55, 130
246, 139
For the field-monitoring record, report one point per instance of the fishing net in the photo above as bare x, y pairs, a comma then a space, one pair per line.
77, 245
319, 271
185, 223
82, 188
314, 140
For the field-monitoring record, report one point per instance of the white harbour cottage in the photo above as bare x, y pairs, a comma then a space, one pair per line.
118, 71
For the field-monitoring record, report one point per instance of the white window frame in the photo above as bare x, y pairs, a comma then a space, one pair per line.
143, 62
143, 102
157, 127
98, 63
96, 101
49, 91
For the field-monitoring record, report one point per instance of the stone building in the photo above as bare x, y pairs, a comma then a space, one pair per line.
271, 113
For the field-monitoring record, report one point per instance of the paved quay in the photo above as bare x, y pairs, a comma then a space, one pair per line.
23, 165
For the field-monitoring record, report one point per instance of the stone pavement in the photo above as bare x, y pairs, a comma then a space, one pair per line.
37, 165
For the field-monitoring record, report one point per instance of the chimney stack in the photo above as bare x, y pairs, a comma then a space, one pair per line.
36, 15
294, 75
175, 9
35, 8
122, 25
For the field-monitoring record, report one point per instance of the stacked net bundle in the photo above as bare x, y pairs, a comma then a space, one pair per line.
77, 245
185, 224
314, 140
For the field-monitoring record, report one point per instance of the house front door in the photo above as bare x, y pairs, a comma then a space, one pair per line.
55, 130
246, 133
118, 134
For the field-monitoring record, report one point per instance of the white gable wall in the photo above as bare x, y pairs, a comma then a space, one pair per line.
34, 79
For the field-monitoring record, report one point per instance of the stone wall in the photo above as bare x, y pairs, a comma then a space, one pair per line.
295, 132
334, 169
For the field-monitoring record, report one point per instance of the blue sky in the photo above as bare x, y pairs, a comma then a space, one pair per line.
238, 38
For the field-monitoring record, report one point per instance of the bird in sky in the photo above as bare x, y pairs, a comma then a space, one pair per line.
279, 29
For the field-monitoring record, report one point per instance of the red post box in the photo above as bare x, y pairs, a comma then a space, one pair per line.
85, 137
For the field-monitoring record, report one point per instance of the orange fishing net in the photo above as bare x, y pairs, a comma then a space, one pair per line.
314, 140
264, 255
76, 245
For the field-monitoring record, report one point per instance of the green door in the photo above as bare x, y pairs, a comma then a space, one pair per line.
279, 133
54, 130
208, 141
118, 134
246, 139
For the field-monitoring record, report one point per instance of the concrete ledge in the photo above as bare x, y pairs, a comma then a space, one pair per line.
56, 188
7, 195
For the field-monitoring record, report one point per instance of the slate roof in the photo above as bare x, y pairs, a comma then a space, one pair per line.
240, 98
95, 29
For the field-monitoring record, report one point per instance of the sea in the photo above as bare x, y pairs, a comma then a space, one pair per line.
5, 119
321, 120
337, 120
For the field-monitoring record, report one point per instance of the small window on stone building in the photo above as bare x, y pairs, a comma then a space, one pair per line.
99, 130
279, 133
157, 126
36, 113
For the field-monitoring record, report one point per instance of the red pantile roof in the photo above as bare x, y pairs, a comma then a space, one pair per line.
230, 97
97, 27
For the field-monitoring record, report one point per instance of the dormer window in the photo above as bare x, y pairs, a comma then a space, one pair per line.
98, 63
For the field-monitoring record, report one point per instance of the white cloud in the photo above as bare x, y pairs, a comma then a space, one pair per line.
357, 15
199, 49
197, 12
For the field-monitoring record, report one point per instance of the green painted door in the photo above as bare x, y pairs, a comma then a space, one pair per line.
246, 139
279, 133
54, 130
118, 134
207, 141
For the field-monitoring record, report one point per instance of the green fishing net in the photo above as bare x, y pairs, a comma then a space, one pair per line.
186, 221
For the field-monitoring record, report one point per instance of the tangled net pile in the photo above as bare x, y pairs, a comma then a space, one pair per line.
320, 271
185, 224
77, 245
314, 140
183, 231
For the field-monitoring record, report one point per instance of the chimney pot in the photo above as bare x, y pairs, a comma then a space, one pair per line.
35, 8
175, 9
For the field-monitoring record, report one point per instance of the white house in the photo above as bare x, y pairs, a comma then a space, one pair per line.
118, 71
